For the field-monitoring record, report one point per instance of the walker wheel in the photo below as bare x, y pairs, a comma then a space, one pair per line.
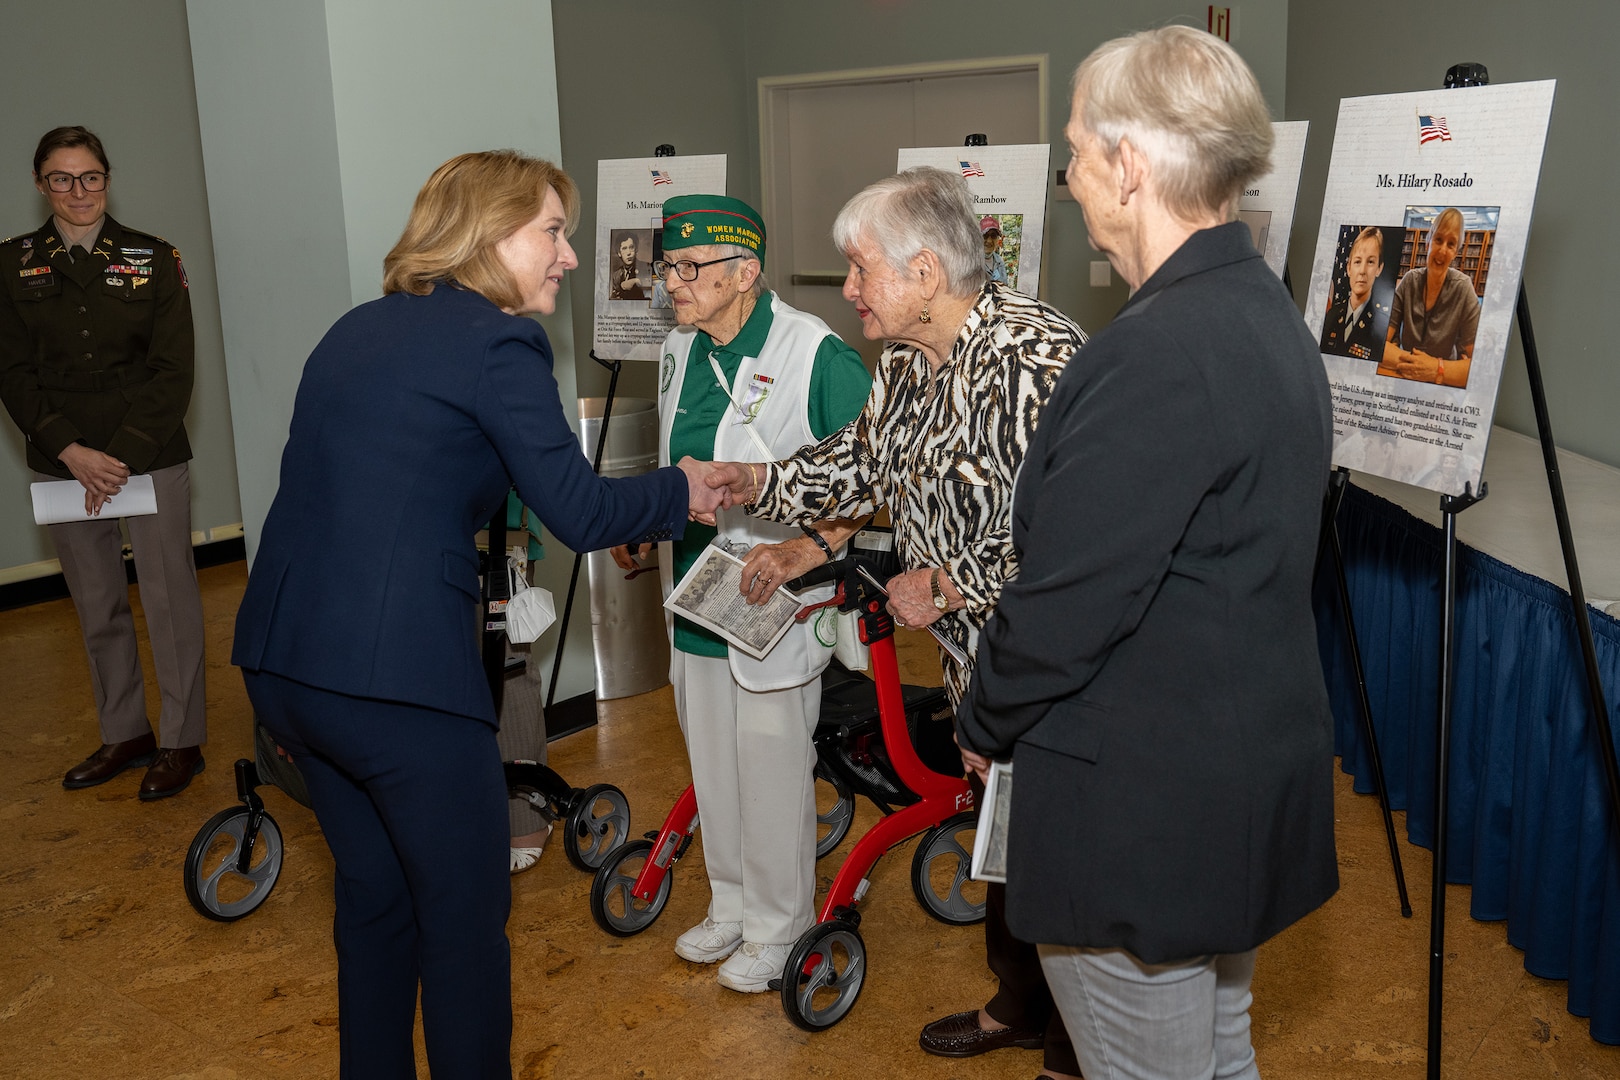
614, 907
939, 872
214, 885
832, 824
824, 974
598, 822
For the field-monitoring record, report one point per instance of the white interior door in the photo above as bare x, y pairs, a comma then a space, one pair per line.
825, 137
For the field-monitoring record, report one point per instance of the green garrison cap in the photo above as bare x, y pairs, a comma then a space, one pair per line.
701, 220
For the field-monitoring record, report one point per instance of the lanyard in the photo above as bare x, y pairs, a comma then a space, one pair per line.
747, 421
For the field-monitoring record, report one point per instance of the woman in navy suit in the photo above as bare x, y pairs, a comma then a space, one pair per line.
358, 632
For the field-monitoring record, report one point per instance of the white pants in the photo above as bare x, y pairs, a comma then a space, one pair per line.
752, 763
1134, 1021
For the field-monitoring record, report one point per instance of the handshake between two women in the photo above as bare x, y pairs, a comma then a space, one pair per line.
719, 485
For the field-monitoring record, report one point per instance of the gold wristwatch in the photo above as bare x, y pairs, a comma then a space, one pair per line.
939, 595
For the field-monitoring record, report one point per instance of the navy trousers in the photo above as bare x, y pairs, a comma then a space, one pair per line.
413, 805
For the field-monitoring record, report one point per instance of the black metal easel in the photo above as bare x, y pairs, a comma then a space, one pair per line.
613, 366
1338, 481
1450, 506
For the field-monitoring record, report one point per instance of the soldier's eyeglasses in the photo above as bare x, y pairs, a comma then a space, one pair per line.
63, 182
686, 269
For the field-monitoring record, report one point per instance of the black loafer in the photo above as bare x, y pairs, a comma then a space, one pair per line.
959, 1035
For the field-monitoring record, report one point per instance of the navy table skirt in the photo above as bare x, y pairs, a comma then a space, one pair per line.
1529, 818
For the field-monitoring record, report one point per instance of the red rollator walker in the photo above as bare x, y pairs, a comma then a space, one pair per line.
878, 738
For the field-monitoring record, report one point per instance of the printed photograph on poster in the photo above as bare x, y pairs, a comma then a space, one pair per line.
633, 312
1267, 205
1418, 258
1009, 189
1365, 267
631, 276
1003, 244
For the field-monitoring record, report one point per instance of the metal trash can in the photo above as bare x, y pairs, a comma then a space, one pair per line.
627, 615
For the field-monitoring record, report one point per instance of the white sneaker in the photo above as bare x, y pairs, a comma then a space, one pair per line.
752, 967
709, 941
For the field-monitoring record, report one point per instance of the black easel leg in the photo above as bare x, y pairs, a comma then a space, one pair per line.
573, 576
1566, 539
1336, 485
1437, 900
1450, 507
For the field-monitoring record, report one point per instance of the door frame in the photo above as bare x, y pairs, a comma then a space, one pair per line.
774, 89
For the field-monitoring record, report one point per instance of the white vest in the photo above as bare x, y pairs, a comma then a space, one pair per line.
782, 420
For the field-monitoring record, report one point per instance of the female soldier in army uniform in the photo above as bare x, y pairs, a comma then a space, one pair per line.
96, 355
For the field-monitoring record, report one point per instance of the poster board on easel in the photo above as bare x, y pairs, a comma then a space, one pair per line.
1420, 412
1267, 205
1009, 185
633, 314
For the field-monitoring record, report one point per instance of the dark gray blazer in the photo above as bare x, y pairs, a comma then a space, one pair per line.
1152, 668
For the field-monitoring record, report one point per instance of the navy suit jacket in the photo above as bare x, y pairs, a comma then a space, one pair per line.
414, 416
1152, 668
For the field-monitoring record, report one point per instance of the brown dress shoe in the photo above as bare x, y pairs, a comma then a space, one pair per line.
172, 771
110, 760
959, 1035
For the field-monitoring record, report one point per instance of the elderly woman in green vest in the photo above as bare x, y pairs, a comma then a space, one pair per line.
744, 377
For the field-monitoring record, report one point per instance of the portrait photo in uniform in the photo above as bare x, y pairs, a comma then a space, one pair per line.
1444, 263
630, 274
1366, 264
1003, 240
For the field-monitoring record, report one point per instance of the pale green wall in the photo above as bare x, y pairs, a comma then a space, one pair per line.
1574, 255
320, 120
718, 49
144, 109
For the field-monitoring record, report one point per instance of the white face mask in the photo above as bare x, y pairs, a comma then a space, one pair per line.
529, 612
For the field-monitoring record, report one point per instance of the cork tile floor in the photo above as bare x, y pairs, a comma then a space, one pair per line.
106, 970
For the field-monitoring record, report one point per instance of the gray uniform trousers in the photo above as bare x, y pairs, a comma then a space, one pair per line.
91, 553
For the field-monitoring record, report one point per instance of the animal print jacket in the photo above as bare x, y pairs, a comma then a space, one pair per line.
942, 452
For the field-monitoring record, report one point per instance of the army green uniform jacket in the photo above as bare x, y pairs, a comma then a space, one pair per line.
98, 351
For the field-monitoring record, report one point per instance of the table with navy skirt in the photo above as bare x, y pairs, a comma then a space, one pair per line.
1530, 818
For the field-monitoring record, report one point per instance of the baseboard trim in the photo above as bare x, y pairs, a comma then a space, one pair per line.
16, 594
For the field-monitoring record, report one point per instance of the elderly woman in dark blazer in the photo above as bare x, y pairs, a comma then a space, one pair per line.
415, 415
1152, 669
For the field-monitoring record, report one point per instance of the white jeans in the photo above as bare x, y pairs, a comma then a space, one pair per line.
1134, 1021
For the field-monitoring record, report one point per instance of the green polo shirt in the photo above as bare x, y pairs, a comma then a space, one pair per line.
839, 386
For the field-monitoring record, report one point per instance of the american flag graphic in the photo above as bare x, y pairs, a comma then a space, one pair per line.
971, 168
662, 177
1431, 128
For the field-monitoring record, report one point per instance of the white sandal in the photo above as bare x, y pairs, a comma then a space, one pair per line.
524, 858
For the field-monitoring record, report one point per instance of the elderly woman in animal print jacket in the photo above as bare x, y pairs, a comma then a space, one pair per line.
965, 372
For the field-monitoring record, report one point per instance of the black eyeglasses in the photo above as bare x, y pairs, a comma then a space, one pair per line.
686, 269
63, 182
